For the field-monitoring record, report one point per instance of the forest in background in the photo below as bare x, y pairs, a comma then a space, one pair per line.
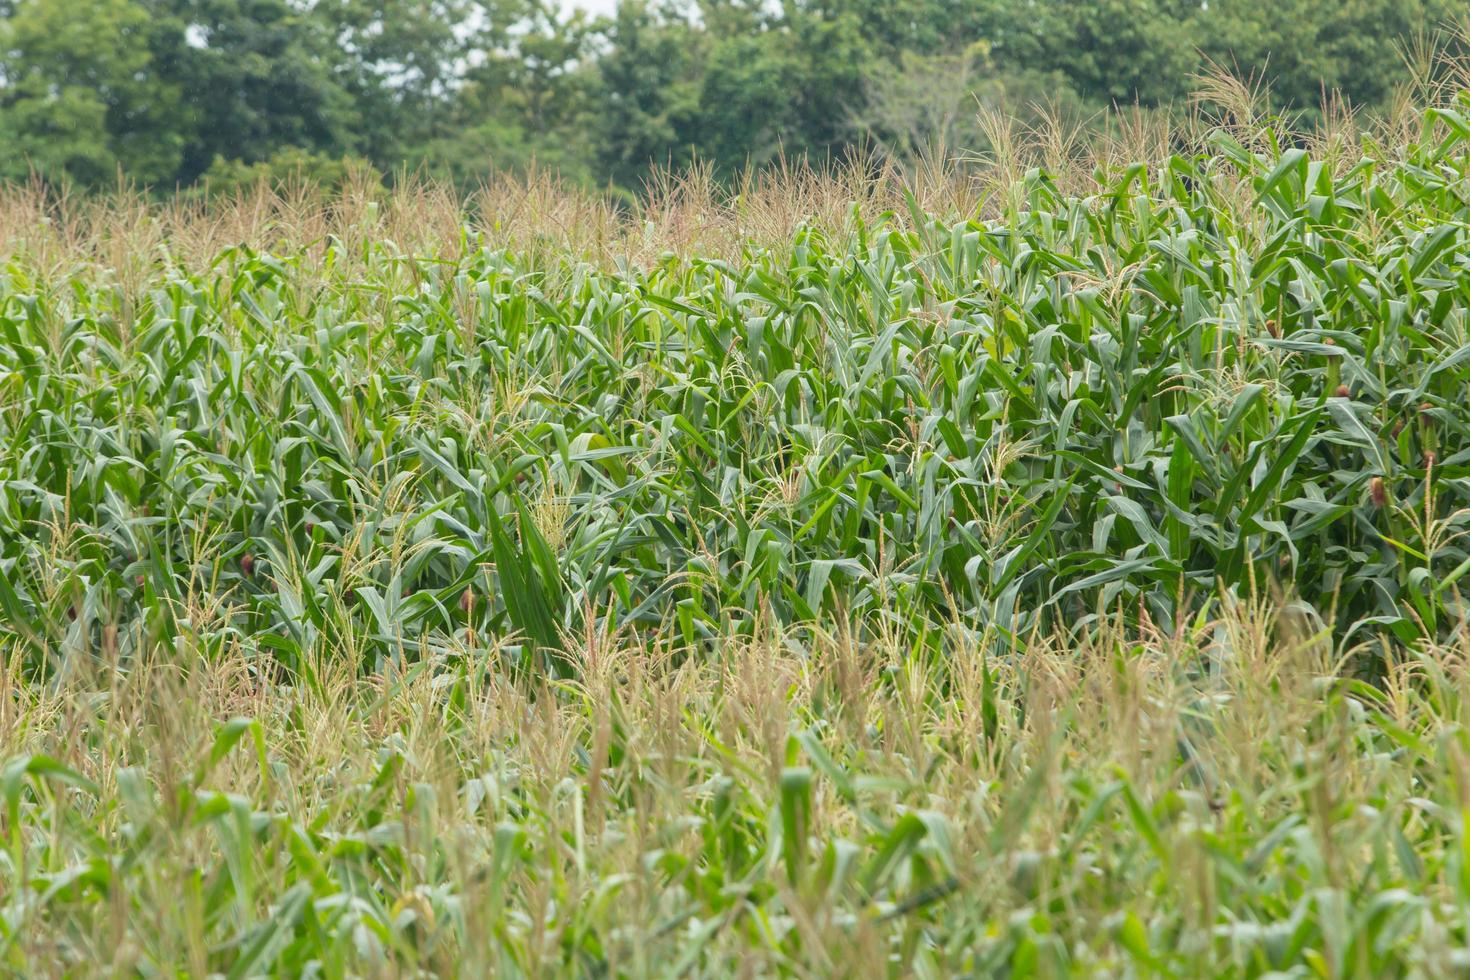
189, 94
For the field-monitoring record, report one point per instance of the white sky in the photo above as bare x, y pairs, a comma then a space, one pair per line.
593, 6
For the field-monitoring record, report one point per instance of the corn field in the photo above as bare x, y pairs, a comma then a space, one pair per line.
1069, 585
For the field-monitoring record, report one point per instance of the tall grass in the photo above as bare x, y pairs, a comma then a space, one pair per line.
1225, 371
1051, 565
1118, 805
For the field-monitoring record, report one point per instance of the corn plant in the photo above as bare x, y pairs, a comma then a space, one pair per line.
1225, 372
1068, 586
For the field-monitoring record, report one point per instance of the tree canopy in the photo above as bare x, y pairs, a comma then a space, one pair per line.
172, 93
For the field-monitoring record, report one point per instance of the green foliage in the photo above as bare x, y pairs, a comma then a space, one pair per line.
1223, 371
462, 89
650, 92
401, 62
892, 598
1095, 808
1359, 50
260, 79
519, 112
285, 168
82, 94
1112, 51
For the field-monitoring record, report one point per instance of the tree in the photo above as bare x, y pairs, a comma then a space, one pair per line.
285, 168
648, 93
922, 104
81, 95
745, 111
259, 76
1301, 53
1110, 51
524, 102
402, 62
165, 90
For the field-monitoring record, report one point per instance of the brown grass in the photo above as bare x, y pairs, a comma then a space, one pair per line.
693, 212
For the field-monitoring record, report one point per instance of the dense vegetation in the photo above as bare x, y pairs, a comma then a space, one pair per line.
170, 92
1231, 369
1057, 572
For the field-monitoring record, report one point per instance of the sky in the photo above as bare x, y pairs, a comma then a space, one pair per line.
594, 6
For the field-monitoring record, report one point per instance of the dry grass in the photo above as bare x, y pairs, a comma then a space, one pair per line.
445, 818
693, 213
266, 707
